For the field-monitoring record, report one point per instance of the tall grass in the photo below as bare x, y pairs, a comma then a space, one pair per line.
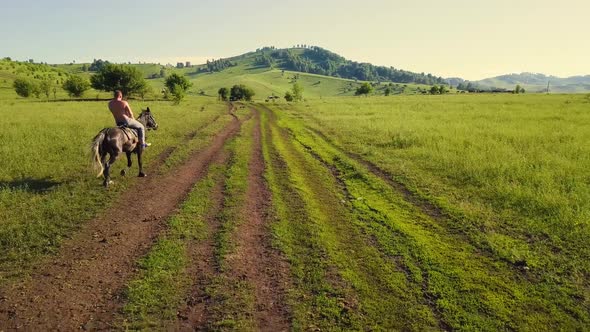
511, 171
508, 161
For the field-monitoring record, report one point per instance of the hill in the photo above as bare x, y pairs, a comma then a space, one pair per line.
11, 70
535, 82
532, 82
269, 71
277, 76
317, 60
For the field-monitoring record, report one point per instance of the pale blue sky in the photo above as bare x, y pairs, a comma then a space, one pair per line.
470, 39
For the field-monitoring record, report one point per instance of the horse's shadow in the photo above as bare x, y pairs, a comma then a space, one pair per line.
36, 186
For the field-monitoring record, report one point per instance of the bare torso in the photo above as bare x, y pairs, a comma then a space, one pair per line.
120, 109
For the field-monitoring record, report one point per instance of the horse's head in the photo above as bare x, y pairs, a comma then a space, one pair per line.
148, 120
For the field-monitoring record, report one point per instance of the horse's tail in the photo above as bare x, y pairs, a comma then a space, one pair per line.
95, 150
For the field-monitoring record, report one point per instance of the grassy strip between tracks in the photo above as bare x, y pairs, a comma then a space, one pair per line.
232, 299
162, 283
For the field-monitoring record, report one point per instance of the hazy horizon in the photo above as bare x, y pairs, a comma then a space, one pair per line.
456, 38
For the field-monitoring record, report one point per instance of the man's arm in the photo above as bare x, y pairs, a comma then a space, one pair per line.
129, 111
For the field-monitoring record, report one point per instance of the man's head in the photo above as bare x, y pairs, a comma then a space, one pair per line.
118, 94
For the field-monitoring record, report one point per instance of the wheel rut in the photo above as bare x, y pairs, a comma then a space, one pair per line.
193, 314
255, 260
80, 287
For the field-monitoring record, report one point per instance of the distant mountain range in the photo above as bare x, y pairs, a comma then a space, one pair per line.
532, 82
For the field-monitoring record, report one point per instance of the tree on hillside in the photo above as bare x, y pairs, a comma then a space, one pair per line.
364, 89
223, 94
113, 77
178, 86
241, 92
387, 91
518, 89
24, 87
76, 85
97, 65
288, 96
45, 87
148, 90
297, 92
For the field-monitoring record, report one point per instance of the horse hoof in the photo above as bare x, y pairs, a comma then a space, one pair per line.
123, 172
142, 175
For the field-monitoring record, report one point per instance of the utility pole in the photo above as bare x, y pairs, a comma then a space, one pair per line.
547, 87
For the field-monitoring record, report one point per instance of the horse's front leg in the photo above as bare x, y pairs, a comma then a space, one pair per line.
139, 163
129, 163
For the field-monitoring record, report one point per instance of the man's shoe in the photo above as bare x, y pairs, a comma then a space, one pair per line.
145, 145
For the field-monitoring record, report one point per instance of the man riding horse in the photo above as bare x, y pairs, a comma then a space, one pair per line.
124, 117
117, 140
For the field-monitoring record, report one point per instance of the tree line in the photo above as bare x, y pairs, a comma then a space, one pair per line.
108, 77
474, 87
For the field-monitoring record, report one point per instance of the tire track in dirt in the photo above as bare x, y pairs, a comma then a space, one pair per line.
254, 259
81, 286
203, 264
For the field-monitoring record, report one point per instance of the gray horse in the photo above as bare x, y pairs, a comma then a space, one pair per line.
113, 141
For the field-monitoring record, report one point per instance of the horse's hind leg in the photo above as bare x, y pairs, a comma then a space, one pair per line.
129, 163
105, 171
107, 168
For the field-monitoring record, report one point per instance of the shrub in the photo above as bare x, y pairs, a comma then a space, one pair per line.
178, 86
364, 89
113, 77
25, 87
241, 92
76, 86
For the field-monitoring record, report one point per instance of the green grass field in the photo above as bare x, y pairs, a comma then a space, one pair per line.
407, 212
508, 174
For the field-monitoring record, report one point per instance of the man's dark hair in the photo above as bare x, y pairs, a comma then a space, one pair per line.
118, 93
